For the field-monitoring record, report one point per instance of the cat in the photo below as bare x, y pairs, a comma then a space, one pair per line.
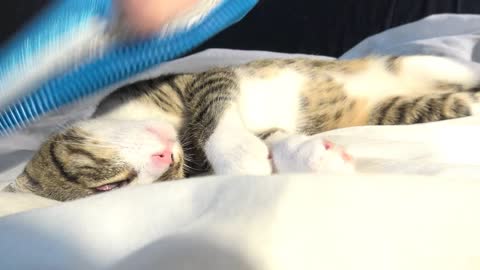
256, 118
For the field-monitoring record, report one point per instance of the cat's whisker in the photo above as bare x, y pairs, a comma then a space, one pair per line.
188, 167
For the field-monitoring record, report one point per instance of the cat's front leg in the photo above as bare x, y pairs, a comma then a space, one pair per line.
218, 130
233, 150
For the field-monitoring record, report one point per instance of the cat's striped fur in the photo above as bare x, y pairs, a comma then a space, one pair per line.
217, 113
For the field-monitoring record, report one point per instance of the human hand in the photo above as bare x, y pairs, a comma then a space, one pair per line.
147, 16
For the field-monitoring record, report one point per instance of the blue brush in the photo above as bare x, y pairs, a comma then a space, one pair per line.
76, 48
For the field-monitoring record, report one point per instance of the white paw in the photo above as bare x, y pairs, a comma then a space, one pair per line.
475, 107
238, 154
302, 154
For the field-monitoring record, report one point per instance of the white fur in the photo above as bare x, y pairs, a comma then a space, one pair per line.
269, 102
307, 154
416, 76
233, 150
374, 83
476, 108
424, 68
137, 110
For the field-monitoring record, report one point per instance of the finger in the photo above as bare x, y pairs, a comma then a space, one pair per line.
147, 16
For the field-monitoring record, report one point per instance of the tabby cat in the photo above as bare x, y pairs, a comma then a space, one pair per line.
255, 118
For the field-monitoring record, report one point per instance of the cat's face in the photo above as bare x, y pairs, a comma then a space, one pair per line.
96, 156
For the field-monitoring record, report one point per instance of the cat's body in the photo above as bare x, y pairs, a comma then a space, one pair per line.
231, 119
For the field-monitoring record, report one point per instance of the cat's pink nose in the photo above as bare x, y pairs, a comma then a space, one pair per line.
161, 159
328, 145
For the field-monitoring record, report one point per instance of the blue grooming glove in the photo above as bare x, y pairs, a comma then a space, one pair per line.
76, 48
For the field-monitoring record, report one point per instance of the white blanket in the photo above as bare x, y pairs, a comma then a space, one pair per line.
419, 210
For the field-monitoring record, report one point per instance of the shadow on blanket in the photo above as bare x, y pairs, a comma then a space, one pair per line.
173, 252
186, 252
62, 253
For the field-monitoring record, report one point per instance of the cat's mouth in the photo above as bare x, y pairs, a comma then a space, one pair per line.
115, 185
112, 186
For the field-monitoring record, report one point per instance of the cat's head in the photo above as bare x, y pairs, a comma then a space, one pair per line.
96, 156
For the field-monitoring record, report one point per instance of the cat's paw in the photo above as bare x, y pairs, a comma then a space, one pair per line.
239, 154
310, 154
